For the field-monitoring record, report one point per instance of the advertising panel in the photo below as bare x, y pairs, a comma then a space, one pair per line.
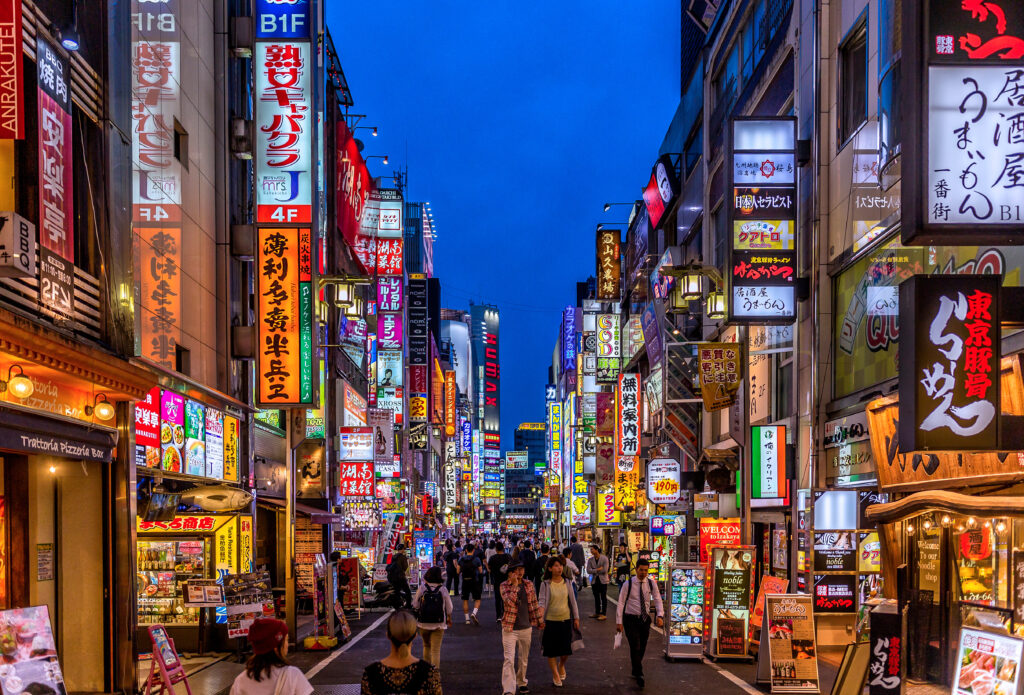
660, 190
835, 593
609, 265
356, 444
987, 662
230, 448
663, 485
731, 598
835, 551
627, 399
721, 532
627, 480
418, 322
56, 193
147, 430
381, 422
284, 363
391, 212
606, 513
287, 19
762, 214
492, 382
517, 460
12, 106
389, 369
389, 331
214, 443
353, 196
450, 419
686, 610
356, 479
949, 363
721, 369
195, 443
172, 431
284, 128
609, 347
791, 647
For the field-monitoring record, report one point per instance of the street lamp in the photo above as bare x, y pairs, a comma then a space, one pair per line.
716, 305
19, 385
346, 297
608, 206
383, 157
367, 127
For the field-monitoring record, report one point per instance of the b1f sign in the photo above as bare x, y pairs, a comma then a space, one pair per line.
282, 19
284, 127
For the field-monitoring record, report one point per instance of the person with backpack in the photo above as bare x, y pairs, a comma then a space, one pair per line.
597, 567
267, 670
540, 565
634, 615
400, 673
397, 571
528, 557
469, 569
451, 557
577, 555
481, 554
433, 606
498, 565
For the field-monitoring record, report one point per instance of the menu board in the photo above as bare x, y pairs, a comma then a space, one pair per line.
195, 438
731, 596
835, 551
686, 609
147, 430
987, 663
29, 652
172, 431
835, 593
791, 650
214, 443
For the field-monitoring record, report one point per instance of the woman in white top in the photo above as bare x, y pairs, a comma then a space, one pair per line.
433, 605
561, 615
267, 672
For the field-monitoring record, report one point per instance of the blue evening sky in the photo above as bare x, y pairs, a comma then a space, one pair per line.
517, 121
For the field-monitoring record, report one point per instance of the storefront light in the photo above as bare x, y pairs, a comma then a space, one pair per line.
945, 520
972, 522
910, 529
1000, 527
716, 305
19, 385
101, 408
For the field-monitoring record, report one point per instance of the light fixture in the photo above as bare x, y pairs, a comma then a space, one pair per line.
101, 407
927, 524
910, 529
716, 305
69, 36
383, 157
19, 385
53, 468
945, 520
1000, 527
608, 206
972, 522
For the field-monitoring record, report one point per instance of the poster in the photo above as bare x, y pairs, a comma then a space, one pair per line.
835, 593
172, 431
770, 584
731, 596
348, 582
686, 609
195, 438
30, 663
791, 648
987, 663
835, 551
723, 532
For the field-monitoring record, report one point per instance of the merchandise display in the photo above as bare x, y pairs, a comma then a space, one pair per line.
163, 569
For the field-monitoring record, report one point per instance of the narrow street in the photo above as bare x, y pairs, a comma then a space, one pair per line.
471, 661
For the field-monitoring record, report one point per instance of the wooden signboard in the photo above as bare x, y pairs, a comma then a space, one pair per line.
792, 653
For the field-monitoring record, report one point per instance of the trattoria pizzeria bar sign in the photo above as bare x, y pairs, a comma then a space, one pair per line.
963, 164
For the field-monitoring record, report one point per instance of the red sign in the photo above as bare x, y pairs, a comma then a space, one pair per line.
628, 415
147, 419
355, 479
418, 378
56, 194
12, 110
723, 532
354, 189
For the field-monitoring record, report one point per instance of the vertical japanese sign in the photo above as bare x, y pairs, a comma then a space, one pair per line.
284, 125
449, 403
284, 364
964, 122
382, 422
389, 306
230, 448
949, 363
492, 382
609, 347
609, 265
156, 179
569, 338
768, 462
720, 366
12, 107
607, 515
762, 220
147, 430
628, 415
56, 223
214, 443
353, 195
418, 321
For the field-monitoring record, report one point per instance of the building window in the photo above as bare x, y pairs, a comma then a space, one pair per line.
182, 360
853, 81
181, 144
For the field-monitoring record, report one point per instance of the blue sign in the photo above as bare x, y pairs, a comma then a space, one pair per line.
282, 19
569, 339
467, 436
492, 477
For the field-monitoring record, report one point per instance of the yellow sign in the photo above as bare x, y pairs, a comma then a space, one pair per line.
720, 369
532, 426
185, 524
230, 448
762, 235
627, 480
225, 547
245, 544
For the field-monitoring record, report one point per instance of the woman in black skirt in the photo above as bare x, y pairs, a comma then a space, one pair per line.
558, 606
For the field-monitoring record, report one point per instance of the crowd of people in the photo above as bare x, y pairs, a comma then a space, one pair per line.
534, 585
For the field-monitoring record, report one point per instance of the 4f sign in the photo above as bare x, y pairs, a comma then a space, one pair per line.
282, 19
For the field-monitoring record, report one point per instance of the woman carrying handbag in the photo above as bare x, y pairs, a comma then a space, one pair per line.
561, 619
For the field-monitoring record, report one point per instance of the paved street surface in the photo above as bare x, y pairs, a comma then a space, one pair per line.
471, 660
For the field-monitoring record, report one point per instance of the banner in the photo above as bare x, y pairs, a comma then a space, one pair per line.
628, 415
12, 106
721, 369
608, 265
768, 462
382, 423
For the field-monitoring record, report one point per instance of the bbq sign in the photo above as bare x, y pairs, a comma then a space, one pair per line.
965, 121
949, 363
762, 220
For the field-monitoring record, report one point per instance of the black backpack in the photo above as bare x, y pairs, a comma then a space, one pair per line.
431, 605
467, 563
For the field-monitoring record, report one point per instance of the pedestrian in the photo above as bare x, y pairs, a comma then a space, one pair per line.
540, 565
451, 556
401, 673
469, 569
522, 614
622, 564
597, 568
561, 615
528, 558
397, 572
267, 671
634, 614
480, 553
433, 605
573, 573
499, 564
577, 555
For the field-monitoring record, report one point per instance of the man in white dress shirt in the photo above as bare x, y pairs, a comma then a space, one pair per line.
634, 614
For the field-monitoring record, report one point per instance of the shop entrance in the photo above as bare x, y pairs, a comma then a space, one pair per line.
928, 615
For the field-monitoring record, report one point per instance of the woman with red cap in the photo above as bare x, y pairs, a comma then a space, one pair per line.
267, 672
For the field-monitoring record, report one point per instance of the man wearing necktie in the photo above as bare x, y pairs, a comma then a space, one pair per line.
634, 614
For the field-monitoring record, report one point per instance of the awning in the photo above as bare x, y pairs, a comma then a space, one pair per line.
27, 432
276, 503
947, 502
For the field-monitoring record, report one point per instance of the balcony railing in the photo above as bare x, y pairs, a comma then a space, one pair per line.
87, 319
